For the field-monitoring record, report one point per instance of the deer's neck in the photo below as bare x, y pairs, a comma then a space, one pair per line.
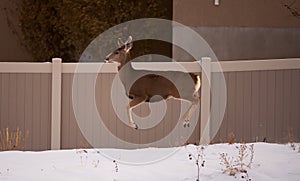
127, 74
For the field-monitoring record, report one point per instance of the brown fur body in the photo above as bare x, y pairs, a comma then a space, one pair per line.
152, 86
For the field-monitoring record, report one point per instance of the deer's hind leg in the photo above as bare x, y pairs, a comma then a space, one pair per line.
137, 100
190, 111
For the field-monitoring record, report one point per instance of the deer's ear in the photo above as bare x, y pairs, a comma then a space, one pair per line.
129, 40
120, 43
128, 44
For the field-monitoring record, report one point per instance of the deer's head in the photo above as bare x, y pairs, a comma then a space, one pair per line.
122, 55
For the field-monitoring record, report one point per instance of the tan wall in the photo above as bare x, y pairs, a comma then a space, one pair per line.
244, 43
238, 13
241, 29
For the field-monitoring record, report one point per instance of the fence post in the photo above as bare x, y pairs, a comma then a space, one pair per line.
205, 100
56, 104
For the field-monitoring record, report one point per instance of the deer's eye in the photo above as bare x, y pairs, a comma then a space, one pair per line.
116, 53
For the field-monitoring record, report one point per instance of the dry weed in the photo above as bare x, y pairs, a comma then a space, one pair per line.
231, 138
116, 166
239, 164
199, 159
291, 139
83, 153
10, 140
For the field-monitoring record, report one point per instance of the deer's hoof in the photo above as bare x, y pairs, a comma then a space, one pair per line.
186, 124
134, 126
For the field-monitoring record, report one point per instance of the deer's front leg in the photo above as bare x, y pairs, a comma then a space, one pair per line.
131, 122
133, 103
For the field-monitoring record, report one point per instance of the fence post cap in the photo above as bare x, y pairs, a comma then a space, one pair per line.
206, 59
56, 60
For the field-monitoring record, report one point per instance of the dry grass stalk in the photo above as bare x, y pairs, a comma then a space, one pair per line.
83, 156
231, 138
243, 155
291, 139
241, 163
10, 140
84, 145
116, 166
228, 163
251, 149
199, 159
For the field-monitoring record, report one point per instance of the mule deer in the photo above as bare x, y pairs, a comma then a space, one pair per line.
153, 86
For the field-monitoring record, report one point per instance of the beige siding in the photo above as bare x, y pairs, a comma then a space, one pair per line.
72, 137
261, 105
25, 104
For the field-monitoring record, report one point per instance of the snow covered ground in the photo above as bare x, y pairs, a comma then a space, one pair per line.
270, 162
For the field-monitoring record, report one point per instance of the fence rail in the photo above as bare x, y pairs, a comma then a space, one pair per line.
226, 66
57, 69
223, 66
